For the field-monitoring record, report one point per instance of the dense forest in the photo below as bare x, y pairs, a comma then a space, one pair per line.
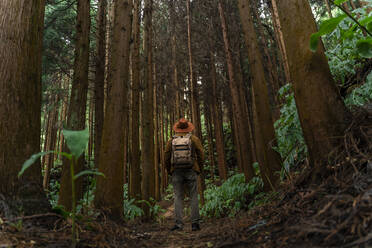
279, 92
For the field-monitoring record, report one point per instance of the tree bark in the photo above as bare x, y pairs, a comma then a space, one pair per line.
21, 26
52, 138
241, 123
135, 169
174, 59
217, 123
99, 82
148, 180
78, 101
322, 113
271, 159
109, 193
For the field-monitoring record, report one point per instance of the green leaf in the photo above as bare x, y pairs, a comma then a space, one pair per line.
364, 48
325, 28
88, 172
76, 141
32, 160
369, 26
338, 2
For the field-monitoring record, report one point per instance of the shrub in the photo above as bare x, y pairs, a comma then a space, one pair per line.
229, 198
291, 143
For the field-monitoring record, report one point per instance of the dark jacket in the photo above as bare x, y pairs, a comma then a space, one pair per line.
198, 147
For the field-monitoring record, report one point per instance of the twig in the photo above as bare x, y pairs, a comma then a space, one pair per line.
349, 155
32, 217
352, 18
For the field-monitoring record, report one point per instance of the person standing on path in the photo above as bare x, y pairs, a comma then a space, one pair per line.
184, 159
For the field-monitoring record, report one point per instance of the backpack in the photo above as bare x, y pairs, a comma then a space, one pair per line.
182, 152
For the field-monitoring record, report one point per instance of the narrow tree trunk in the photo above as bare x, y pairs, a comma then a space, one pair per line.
21, 26
322, 113
78, 102
241, 123
148, 180
279, 37
156, 137
174, 60
272, 84
208, 126
135, 169
99, 82
218, 129
52, 138
109, 193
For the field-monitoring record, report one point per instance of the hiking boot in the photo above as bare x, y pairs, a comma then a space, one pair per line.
195, 227
176, 228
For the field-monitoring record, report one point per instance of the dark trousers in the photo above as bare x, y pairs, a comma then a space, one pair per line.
188, 178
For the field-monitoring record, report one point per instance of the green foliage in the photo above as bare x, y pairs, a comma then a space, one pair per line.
131, 210
229, 198
30, 161
290, 140
76, 141
325, 28
347, 30
361, 95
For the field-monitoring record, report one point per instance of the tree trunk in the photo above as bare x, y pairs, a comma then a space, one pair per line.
148, 180
135, 169
322, 113
237, 105
21, 31
280, 41
271, 159
217, 123
272, 84
78, 102
156, 137
174, 59
109, 194
52, 138
208, 125
99, 82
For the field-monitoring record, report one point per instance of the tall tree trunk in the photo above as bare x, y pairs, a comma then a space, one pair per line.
322, 113
52, 138
135, 169
217, 123
109, 194
174, 59
272, 84
21, 31
194, 112
208, 125
271, 159
279, 37
156, 136
237, 105
148, 180
161, 139
99, 81
78, 101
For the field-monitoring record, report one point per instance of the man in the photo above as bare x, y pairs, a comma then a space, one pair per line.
184, 159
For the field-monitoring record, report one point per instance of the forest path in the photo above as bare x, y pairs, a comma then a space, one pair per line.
214, 232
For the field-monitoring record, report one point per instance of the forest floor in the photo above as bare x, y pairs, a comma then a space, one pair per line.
335, 212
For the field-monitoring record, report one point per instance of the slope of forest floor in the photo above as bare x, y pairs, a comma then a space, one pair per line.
334, 213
